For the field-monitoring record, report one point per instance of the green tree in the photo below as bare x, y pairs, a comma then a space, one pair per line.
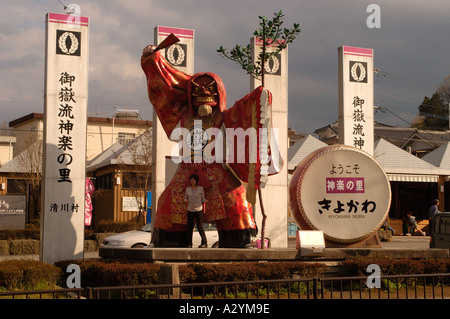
434, 110
271, 33
434, 113
444, 90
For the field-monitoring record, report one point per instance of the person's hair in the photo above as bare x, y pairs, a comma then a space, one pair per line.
193, 176
436, 201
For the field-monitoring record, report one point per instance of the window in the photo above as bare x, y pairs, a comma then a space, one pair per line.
125, 138
104, 182
16, 186
131, 180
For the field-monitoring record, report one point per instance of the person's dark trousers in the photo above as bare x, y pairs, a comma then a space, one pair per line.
195, 217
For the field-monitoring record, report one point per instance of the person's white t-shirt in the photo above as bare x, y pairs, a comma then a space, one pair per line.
195, 198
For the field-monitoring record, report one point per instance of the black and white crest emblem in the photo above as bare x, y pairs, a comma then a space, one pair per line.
68, 42
176, 54
273, 65
358, 71
196, 138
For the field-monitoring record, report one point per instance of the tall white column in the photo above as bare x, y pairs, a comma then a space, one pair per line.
356, 112
65, 120
181, 56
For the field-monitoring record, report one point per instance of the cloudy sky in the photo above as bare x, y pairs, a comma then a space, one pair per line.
411, 51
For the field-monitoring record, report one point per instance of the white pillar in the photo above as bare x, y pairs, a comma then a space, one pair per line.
65, 120
181, 56
356, 112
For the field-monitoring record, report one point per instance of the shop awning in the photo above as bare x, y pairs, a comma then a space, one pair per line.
412, 178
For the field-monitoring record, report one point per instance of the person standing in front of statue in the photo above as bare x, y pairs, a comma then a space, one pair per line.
195, 197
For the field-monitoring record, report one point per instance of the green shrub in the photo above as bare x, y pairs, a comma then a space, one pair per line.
20, 234
104, 273
28, 274
35, 233
249, 271
356, 266
131, 274
243, 271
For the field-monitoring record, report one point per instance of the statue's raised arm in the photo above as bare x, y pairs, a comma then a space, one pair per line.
167, 88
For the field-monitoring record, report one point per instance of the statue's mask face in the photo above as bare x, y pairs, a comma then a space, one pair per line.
204, 91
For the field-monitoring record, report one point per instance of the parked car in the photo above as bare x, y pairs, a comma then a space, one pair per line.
141, 238
440, 231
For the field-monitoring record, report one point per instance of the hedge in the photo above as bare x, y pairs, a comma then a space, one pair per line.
28, 274
243, 271
97, 273
20, 234
357, 266
25, 274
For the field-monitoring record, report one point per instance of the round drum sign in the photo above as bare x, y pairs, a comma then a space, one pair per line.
342, 191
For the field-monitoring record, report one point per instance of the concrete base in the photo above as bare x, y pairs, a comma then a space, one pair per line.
272, 254
370, 242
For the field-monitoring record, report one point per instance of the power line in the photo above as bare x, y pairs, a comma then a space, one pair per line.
383, 109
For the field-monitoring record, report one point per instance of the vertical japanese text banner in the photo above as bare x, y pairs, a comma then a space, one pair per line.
356, 98
65, 120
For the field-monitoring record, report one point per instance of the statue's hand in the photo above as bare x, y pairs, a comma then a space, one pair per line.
149, 49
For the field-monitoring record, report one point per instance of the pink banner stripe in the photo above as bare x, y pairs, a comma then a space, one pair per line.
358, 51
274, 43
364, 55
182, 33
68, 19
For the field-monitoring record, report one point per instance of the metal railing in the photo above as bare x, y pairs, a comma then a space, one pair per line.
63, 293
429, 286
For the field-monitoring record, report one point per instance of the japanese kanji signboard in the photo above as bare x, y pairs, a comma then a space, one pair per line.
356, 97
65, 120
342, 191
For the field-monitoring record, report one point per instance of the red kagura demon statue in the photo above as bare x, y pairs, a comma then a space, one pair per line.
184, 102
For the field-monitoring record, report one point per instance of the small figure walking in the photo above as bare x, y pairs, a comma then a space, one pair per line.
412, 223
434, 209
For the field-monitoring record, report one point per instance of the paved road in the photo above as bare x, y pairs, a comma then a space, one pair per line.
408, 242
398, 242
